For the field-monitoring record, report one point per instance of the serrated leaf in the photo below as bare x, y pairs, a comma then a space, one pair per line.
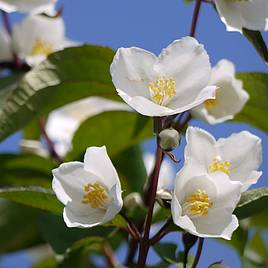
113, 129
37, 197
56, 82
255, 111
256, 39
252, 202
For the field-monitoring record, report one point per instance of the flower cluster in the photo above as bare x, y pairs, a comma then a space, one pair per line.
206, 191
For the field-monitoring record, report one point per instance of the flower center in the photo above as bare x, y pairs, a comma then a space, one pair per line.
95, 195
217, 165
211, 103
162, 90
41, 47
197, 204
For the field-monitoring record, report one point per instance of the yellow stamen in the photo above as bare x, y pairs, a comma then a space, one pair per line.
217, 165
197, 204
162, 90
95, 195
41, 47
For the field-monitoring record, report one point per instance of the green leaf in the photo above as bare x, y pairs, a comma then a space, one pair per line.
33, 196
256, 39
252, 202
25, 170
49, 262
166, 251
61, 238
113, 129
130, 167
255, 111
65, 76
18, 227
260, 220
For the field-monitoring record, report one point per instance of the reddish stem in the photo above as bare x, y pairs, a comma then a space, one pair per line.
195, 17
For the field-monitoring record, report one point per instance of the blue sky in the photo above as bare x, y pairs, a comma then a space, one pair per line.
153, 24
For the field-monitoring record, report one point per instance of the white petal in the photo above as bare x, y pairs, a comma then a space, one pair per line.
145, 106
69, 180
229, 192
218, 223
63, 122
80, 215
5, 46
182, 221
98, 162
37, 27
200, 146
32, 6
230, 96
116, 204
166, 175
187, 62
236, 15
244, 151
132, 70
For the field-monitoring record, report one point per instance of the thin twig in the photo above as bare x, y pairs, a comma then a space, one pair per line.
195, 17
145, 242
172, 157
132, 228
199, 251
161, 233
49, 142
109, 255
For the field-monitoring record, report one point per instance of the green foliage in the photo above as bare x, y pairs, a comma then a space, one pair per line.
18, 227
49, 262
252, 202
255, 111
256, 39
167, 252
51, 84
32, 196
25, 170
116, 130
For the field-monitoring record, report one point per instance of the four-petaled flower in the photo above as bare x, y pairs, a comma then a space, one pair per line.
203, 203
172, 83
230, 95
238, 156
238, 14
37, 36
90, 191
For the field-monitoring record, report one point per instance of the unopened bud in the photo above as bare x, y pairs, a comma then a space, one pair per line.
169, 139
133, 200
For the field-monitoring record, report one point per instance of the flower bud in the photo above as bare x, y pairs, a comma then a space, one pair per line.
169, 139
133, 200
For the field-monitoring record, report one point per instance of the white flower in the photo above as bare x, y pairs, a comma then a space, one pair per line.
27, 6
5, 47
166, 175
238, 14
238, 156
90, 191
63, 122
33, 147
230, 95
202, 203
172, 83
38, 36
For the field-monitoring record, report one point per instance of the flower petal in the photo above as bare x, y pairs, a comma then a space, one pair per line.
98, 162
187, 62
244, 151
200, 146
236, 15
69, 180
116, 205
5, 45
131, 70
37, 27
32, 6
81, 215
